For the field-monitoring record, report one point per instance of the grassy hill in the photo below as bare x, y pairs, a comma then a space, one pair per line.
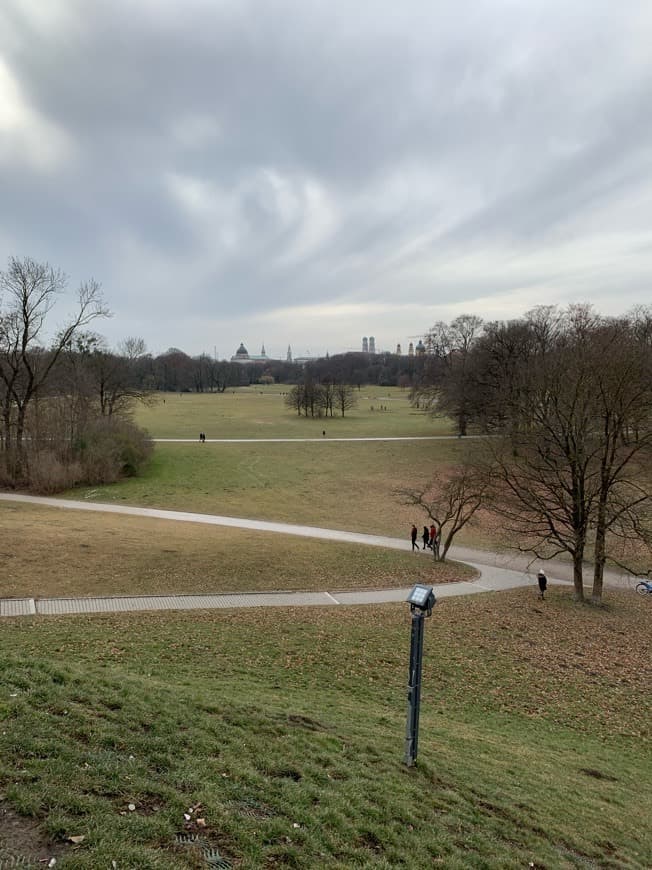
279, 735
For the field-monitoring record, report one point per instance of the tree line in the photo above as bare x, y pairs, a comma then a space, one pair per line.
176, 371
563, 402
321, 399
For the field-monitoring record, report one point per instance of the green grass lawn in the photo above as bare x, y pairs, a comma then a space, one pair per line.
345, 485
75, 553
260, 412
279, 735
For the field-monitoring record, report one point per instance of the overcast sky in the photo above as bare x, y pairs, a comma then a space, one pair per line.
308, 172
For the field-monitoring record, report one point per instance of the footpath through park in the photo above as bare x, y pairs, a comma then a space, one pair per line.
496, 571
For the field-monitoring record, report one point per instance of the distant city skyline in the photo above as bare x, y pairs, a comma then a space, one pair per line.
311, 173
245, 351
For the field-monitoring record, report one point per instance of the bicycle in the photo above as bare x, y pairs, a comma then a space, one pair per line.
644, 587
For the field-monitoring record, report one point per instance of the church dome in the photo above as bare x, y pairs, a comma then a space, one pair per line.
242, 350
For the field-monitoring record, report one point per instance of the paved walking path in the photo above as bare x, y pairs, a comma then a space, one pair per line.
497, 571
491, 580
323, 439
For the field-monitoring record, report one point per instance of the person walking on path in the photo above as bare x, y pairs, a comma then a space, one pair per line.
543, 585
426, 537
434, 540
413, 536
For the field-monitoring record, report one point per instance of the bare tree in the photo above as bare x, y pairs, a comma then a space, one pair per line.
344, 398
571, 448
327, 397
132, 348
294, 399
449, 502
29, 292
308, 396
447, 384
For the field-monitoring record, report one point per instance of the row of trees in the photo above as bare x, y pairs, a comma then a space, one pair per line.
176, 371
382, 369
564, 402
62, 398
321, 400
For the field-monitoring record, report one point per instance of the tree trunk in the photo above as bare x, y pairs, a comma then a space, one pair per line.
6, 427
578, 583
21, 455
600, 555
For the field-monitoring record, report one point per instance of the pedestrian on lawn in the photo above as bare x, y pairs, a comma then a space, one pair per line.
413, 536
426, 537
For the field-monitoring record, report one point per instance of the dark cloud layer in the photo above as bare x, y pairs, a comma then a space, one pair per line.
309, 172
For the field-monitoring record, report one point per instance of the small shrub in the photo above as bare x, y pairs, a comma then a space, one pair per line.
106, 449
47, 473
111, 448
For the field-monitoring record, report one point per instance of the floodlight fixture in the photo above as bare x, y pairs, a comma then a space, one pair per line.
422, 598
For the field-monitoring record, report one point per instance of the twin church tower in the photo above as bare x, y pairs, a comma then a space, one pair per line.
369, 346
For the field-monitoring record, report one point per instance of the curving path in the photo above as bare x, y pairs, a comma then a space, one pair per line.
496, 571
323, 440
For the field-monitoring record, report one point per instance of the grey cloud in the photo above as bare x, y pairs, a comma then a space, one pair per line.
519, 125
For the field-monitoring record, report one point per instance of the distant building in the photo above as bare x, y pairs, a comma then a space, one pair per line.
421, 348
410, 349
306, 358
365, 345
243, 356
372, 344
398, 350
289, 356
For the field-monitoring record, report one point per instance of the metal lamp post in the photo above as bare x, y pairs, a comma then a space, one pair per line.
421, 600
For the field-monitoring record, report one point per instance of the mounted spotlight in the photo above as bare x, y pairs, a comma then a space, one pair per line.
422, 598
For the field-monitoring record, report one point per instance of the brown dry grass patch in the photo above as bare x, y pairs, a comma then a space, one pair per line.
50, 552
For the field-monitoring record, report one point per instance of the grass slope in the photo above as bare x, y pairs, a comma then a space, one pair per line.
282, 731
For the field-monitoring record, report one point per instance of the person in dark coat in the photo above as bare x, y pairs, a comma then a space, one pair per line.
543, 585
413, 536
426, 537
